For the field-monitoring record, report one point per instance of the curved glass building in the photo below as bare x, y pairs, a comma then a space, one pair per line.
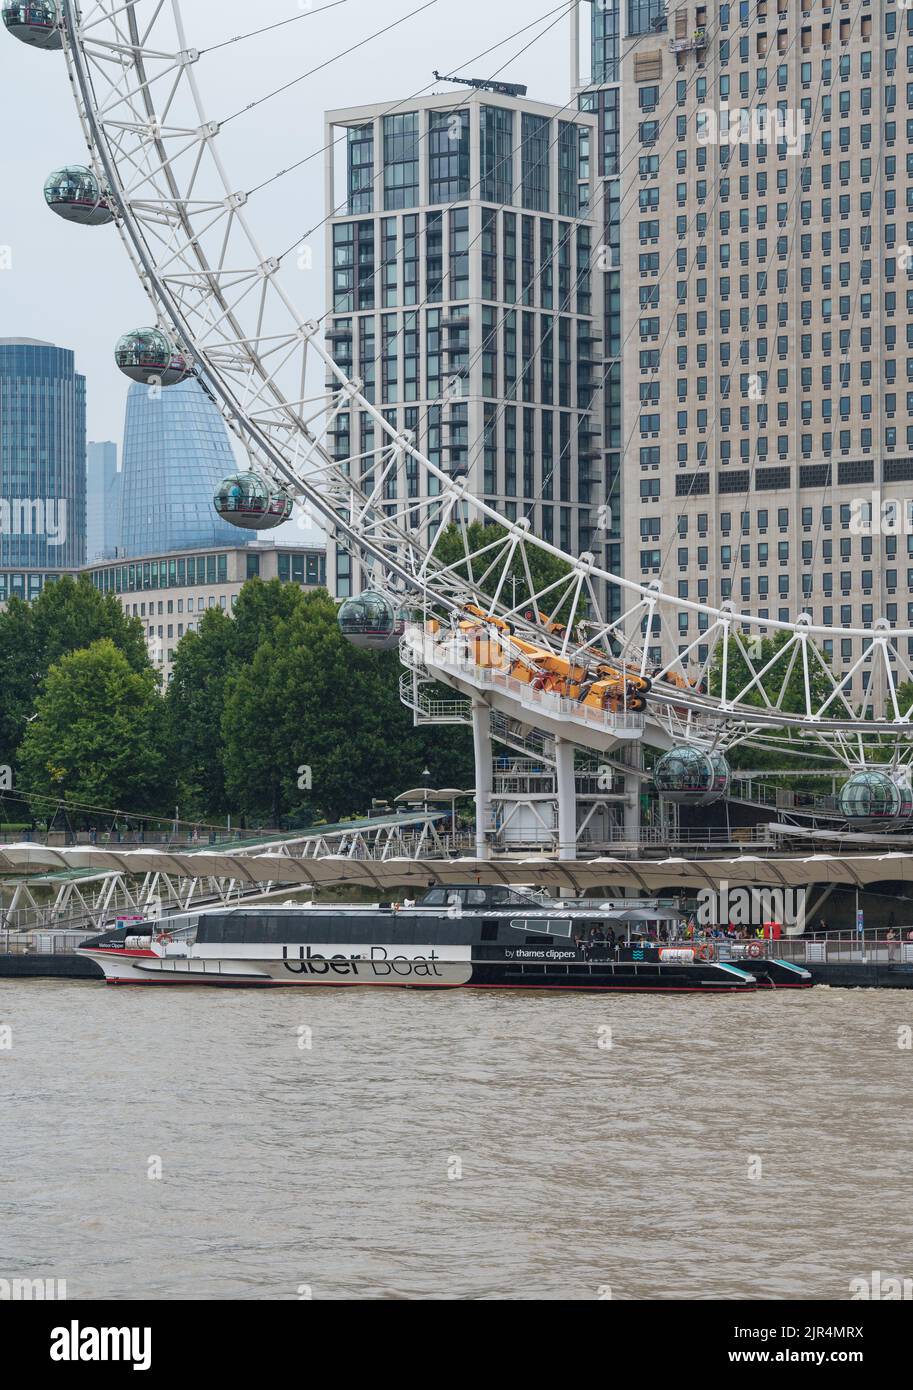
176, 453
42, 464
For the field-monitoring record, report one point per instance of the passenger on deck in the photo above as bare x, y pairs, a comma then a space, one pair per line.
597, 942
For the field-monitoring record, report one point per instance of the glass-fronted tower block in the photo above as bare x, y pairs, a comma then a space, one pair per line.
463, 297
103, 502
176, 454
42, 463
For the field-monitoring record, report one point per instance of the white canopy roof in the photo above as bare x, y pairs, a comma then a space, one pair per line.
434, 794
744, 870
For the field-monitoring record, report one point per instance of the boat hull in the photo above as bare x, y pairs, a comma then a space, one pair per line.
297, 967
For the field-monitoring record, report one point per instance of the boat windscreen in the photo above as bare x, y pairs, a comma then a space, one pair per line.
546, 926
475, 896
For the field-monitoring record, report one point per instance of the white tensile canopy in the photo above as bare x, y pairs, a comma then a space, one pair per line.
648, 875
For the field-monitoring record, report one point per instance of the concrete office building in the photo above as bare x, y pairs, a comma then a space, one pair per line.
764, 188
169, 592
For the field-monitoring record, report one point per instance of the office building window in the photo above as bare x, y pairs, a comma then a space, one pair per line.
605, 41
448, 156
401, 162
497, 142
459, 253
646, 16
360, 150
535, 162
568, 165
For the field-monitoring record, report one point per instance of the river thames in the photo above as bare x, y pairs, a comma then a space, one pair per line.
391, 1144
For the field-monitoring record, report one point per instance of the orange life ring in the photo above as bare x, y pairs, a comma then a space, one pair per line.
704, 952
755, 950
165, 936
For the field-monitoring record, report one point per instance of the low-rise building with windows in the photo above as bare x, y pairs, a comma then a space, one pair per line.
170, 593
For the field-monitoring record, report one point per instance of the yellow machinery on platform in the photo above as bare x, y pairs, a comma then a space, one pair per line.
605, 685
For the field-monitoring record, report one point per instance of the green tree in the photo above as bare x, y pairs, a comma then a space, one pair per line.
257, 738
72, 613
904, 699
261, 606
311, 707
68, 615
19, 676
195, 705
99, 736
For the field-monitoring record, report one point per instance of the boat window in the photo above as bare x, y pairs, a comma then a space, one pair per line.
547, 926
476, 897
435, 897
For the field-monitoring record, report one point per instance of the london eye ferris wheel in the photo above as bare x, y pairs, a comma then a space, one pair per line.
554, 653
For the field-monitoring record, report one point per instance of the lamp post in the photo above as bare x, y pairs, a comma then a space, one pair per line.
426, 777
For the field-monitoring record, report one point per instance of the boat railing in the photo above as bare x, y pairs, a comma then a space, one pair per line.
830, 950
51, 942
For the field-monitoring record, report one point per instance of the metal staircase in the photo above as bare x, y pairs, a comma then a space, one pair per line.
533, 743
426, 708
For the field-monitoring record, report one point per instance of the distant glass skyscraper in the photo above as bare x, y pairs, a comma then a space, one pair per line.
103, 502
176, 452
42, 464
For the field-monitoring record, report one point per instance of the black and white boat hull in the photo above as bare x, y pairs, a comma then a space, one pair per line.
506, 941
429, 969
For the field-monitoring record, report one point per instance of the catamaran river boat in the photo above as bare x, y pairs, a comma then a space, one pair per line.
483, 937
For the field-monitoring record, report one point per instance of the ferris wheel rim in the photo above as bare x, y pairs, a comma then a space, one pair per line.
726, 612
131, 235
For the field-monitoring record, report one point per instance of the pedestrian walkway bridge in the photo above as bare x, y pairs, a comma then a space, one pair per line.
87, 886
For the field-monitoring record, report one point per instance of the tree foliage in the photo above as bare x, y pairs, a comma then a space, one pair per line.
274, 698
98, 738
194, 705
253, 698
314, 725
68, 615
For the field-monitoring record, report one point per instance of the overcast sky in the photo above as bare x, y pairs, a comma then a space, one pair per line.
74, 286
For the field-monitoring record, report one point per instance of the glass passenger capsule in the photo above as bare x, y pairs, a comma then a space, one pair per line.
722, 777
148, 355
35, 22
872, 797
248, 501
372, 621
691, 776
74, 194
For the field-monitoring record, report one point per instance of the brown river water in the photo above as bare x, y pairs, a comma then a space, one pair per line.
385, 1143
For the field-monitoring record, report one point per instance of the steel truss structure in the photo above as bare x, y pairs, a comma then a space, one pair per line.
93, 885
